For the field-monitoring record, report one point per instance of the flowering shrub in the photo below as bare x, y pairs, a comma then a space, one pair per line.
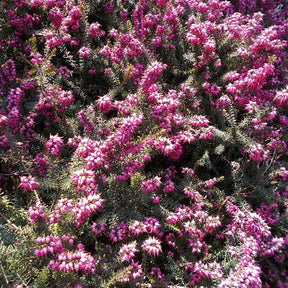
143, 143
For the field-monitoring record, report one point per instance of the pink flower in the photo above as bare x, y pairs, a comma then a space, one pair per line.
119, 232
56, 17
211, 223
127, 251
84, 52
36, 58
151, 74
156, 41
41, 164
198, 121
62, 206
75, 13
155, 271
151, 185
105, 51
137, 227
181, 213
84, 180
152, 225
281, 98
28, 183
152, 246
104, 104
156, 199
85, 207
85, 120
168, 186
95, 29
77, 261
35, 3
36, 213
136, 270
210, 183
257, 153
169, 147
98, 228
54, 97
54, 144
218, 63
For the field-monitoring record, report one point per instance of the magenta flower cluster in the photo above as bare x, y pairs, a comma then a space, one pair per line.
150, 139
65, 261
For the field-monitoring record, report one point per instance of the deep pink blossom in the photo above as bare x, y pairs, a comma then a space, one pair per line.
104, 104
136, 270
257, 153
36, 213
118, 233
84, 52
54, 144
95, 30
56, 17
28, 183
97, 228
281, 98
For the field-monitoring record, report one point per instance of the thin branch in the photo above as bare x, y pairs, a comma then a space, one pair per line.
12, 226
4, 274
270, 164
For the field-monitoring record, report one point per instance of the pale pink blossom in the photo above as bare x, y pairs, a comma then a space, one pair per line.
152, 246
127, 252
84, 52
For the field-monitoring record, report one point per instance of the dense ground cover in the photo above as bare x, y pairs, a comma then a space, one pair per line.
143, 143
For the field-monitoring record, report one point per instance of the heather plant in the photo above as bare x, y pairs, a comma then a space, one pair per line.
143, 143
